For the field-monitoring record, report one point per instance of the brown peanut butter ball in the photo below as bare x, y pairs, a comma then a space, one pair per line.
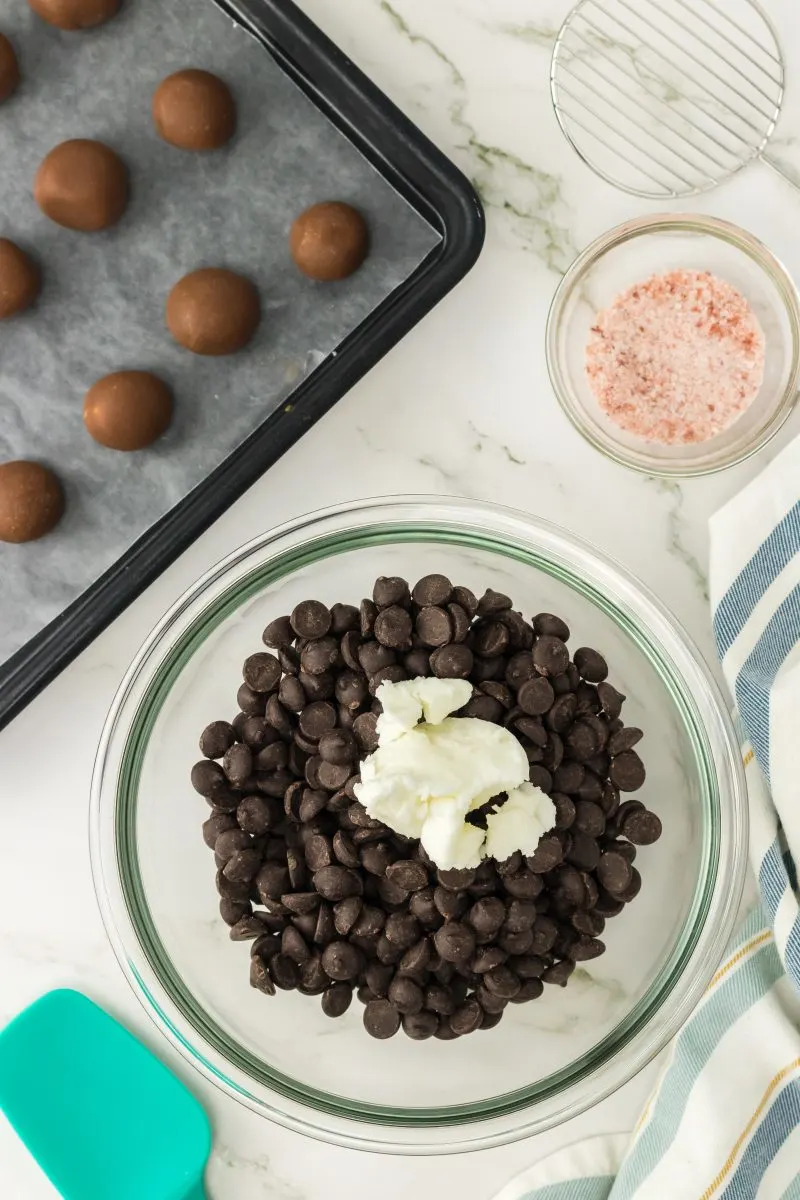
194, 110
82, 185
127, 410
31, 501
9, 68
19, 279
213, 311
75, 14
329, 241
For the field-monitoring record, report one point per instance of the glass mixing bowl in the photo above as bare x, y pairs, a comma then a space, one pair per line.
548, 1059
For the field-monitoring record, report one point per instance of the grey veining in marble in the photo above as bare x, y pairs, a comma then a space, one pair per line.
102, 303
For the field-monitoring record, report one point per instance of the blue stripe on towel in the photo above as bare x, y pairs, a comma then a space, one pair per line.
773, 883
792, 953
772, 879
735, 607
755, 680
731, 998
793, 1190
776, 1125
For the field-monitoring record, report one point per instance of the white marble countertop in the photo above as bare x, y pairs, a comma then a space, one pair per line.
462, 405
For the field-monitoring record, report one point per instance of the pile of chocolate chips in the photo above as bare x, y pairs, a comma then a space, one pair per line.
337, 903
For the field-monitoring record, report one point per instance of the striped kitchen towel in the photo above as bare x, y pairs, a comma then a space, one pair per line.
724, 1120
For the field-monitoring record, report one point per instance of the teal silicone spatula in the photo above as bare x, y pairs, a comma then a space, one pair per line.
101, 1115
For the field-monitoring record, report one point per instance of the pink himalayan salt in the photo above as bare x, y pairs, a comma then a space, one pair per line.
676, 359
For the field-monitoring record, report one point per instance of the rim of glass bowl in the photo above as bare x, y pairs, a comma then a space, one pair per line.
342, 1120
640, 460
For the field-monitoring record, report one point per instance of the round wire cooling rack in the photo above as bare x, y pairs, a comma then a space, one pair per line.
668, 98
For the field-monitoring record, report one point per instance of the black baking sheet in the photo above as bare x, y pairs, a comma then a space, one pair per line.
102, 307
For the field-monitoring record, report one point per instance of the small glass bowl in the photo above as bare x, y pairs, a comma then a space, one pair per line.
547, 1060
631, 253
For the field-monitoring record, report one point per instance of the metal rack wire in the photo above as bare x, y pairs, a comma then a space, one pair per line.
667, 98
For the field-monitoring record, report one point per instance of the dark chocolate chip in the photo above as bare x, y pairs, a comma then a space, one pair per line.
406, 995
417, 663
434, 626
624, 739
238, 764
420, 1026
337, 883
342, 961
293, 945
344, 618
452, 662
393, 628
614, 872
258, 814
550, 655
460, 622
291, 694
610, 699
589, 818
641, 828
584, 852
365, 732
586, 948
409, 874
336, 1000
325, 931
367, 613
432, 590
345, 851
260, 977
319, 852
483, 708
250, 702
491, 639
242, 866
216, 824
627, 771
272, 881
591, 666
551, 626
455, 942
547, 855
452, 905
332, 776
402, 929
208, 778
349, 648
216, 738
346, 913
279, 633
378, 977
351, 689
562, 714
466, 599
246, 929
381, 1019
372, 657
536, 696
262, 672
559, 973
487, 914
391, 590
540, 777
466, 1018
311, 619
492, 602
